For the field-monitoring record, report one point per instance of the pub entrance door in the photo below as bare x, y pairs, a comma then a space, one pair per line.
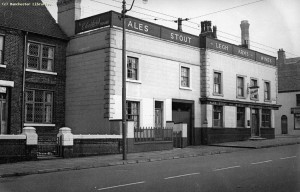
254, 122
3, 110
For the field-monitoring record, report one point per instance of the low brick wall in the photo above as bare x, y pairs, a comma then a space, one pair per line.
221, 135
88, 147
135, 147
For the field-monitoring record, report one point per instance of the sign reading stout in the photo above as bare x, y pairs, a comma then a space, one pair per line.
179, 37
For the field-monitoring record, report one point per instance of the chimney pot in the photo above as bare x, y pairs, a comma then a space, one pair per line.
245, 39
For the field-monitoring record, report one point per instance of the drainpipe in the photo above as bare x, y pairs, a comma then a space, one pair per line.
23, 80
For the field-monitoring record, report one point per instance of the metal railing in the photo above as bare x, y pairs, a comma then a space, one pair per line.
153, 134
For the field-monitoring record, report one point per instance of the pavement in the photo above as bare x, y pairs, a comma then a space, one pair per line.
59, 164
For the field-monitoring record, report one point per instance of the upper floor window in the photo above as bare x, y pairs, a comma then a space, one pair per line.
267, 91
218, 83
297, 99
40, 57
240, 87
185, 77
132, 68
38, 106
1, 48
254, 89
217, 116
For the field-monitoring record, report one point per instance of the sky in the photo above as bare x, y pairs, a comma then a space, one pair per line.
274, 24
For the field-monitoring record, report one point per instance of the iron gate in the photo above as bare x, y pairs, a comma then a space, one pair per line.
47, 145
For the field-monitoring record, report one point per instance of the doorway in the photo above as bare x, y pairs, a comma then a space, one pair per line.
284, 124
158, 114
182, 113
254, 122
3, 110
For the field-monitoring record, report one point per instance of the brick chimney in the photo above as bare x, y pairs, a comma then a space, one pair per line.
245, 34
281, 57
207, 31
68, 11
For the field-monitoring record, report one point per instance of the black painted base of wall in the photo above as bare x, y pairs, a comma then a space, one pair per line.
268, 133
135, 147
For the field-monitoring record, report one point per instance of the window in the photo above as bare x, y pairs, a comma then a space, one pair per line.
266, 118
240, 87
38, 106
1, 48
132, 68
217, 83
267, 92
254, 89
240, 117
185, 77
133, 112
297, 121
40, 57
297, 99
217, 116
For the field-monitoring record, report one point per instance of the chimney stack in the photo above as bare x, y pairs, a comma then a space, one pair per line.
281, 57
207, 31
179, 24
68, 11
245, 34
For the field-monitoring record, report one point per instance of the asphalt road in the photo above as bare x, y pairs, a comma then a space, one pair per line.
261, 170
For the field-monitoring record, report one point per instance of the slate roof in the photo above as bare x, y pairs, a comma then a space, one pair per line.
27, 17
289, 75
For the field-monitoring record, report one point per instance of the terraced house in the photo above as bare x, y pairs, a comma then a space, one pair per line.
32, 70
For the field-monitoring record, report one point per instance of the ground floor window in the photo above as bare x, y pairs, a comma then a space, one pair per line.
217, 116
266, 118
133, 112
240, 117
38, 106
297, 121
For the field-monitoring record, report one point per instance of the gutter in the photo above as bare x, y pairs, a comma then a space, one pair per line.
23, 80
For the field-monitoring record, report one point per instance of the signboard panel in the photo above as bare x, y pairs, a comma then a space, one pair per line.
93, 22
136, 25
179, 37
265, 59
2, 89
239, 51
218, 45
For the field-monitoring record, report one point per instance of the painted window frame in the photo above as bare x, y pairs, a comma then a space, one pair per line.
298, 100
44, 103
267, 91
266, 118
244, 87
137, 68
137, 114
244, 117
2, 49
296, 116
257, 84
220, 93
189, 87
221, 120
40, 56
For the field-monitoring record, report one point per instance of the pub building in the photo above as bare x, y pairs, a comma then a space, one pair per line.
223, 92
288, 116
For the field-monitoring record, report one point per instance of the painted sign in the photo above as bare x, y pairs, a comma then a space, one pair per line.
179, 37
2, 89
244, 52
93, 22
265, 59
137, 25
218, 45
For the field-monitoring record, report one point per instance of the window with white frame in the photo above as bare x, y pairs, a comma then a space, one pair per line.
218, 83
217, 116
38, 106
1, 48
240, 116
267, 91
185, 77
266, 118
240, 86
132, 68
254, 89
40, 57
133, 112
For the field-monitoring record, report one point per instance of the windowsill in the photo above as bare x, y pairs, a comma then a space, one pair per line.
43, 72
133, 81
186, 88
2, 66
240, 97
218, 94
38, 125
269, 101
253, 99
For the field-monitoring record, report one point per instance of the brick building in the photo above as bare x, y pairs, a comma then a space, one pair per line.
32, 69
218, 89
288, 116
